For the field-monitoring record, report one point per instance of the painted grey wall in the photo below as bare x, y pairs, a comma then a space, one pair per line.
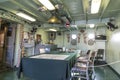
113, 45
62, 40
44, 35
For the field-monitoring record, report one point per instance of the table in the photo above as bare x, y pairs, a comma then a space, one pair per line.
47, 69
51, 56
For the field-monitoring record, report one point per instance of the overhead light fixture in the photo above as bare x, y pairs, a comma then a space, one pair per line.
25, 16
91, 36
95, 5
54, 19
47, 4
92, 25
53, 30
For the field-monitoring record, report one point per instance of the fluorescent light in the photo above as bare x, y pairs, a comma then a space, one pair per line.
47, 4
54, 19
95, 5
25, 16
92, 25
52, 29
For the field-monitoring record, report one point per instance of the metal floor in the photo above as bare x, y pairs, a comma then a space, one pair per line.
105, 73
102, 73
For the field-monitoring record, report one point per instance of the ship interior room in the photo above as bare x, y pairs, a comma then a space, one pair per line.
59, 40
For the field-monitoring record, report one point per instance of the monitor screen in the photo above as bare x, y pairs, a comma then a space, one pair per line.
42, 50
47, 50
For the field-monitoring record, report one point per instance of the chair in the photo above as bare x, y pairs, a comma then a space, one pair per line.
83, 53
92, 61
81, 69
100, 56
86, 57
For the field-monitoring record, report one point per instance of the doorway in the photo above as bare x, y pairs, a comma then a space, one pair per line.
11, 33
7, 44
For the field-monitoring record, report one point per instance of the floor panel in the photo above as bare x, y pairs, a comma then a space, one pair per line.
102, 73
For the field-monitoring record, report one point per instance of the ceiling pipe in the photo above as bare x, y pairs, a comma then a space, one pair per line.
32, 4
28, 10
10, 17
4, 0
95, 21
67, 11
106, 3
86, 17
7, 13
85, 8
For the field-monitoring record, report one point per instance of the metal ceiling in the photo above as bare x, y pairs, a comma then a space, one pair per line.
73, 10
